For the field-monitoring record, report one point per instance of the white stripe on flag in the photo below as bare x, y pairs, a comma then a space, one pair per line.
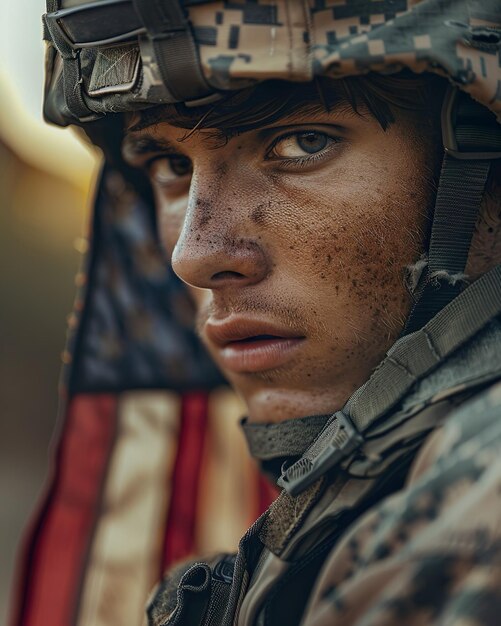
227, 495
124, 558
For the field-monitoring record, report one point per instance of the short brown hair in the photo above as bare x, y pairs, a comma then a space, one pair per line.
249, 108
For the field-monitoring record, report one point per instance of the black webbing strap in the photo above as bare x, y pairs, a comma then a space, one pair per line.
52, 5
175, 51
282, 439
476, 138
457, 205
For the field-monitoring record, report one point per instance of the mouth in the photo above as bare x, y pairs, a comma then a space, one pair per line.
245, 345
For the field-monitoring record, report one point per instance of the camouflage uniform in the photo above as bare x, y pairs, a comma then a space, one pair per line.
391, 508
398, 537
431, 553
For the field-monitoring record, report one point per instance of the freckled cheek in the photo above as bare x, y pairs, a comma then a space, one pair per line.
170, 220
357, 236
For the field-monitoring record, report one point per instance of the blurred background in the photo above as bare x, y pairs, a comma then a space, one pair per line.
46, 175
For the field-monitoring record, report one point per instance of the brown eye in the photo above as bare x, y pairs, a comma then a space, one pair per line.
301, 144
167, 170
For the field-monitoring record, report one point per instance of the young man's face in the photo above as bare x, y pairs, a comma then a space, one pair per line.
294, 238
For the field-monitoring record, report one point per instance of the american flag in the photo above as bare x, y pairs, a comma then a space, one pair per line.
149, 465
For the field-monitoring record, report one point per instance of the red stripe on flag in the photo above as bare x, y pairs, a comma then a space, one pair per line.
58, 543
180, 530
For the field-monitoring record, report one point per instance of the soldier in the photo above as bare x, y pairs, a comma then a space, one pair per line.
325, 183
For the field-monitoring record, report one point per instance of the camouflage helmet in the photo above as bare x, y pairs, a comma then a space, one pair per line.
112, 56
121, 55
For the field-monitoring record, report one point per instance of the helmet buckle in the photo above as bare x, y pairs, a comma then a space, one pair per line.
477, 116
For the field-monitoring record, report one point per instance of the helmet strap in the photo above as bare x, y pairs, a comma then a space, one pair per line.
176, 54
472, 139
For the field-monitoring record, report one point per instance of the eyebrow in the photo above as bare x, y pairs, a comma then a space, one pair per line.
143, 143
137, 146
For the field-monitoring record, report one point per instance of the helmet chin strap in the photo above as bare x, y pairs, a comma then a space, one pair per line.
472, 140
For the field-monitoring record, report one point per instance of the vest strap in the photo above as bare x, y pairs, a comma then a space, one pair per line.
409, 360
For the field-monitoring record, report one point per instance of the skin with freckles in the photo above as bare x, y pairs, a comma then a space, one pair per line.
307, 225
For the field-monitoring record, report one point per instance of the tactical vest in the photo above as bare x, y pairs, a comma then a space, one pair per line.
335, 468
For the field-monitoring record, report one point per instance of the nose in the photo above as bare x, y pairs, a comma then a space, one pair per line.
216, 251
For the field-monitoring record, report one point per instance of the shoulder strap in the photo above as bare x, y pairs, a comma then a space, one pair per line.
410, 359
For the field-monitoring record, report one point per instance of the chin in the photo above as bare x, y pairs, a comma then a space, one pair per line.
278, 404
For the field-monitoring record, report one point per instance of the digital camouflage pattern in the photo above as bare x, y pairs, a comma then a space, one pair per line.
242, 42
432, 553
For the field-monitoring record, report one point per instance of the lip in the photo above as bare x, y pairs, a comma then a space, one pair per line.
250, 345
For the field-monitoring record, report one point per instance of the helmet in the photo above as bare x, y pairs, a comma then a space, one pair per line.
109, 56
